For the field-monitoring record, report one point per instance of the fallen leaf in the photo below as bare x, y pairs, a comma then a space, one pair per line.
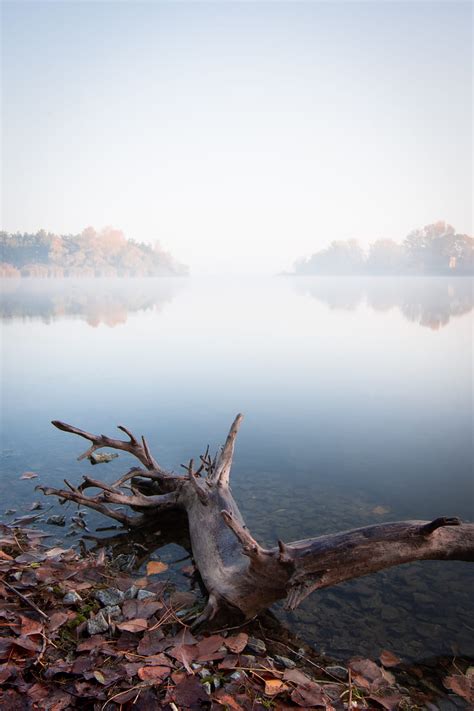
209, 645
29, 475
389, 659
156, 566
5, 556
138, 625
184, 653
150, 673
237, 643
274, 687
29, 626
143, 609
367, 673
227, 700
391, 703
189, 692
461, 685
124, 696
151, 643
99, 676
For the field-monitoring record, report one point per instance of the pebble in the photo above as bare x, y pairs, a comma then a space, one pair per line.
236, 676
112, 611
204, 672
97, 624
256, 645
284, 661
131, 592
207, 688
71, 598
56, 520
111, 596
145, 595
338, 672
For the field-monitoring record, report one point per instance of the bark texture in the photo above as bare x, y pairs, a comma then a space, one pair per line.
241, 576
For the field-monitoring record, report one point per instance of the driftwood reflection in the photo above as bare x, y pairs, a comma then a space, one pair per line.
429, 301
96, 301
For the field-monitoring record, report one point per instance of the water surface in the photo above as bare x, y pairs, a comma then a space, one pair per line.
357, 397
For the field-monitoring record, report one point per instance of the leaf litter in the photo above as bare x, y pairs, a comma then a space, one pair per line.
139, 652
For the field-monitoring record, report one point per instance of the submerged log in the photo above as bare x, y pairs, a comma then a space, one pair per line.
241, 576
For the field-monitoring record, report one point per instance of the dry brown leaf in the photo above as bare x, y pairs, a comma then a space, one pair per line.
391, 703
153, 673
5, 556
155, 566
237, 643
389, 659
274, 687
461, 685
138, 625
209, 645
29, 626
231, 703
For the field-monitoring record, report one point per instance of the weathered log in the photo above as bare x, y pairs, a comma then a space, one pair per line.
240, 575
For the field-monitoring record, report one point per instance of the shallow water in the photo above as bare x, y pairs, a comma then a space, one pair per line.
358, 403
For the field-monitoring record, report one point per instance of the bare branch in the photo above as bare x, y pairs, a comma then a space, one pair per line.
93, 503
250, 547
140, 451
328, 560
220, 473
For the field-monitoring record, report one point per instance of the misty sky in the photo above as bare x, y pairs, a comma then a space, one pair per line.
240, 135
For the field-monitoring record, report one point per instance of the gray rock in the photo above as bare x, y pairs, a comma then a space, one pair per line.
71, 598
204, 672
257, 646
284, 661
111, 596
112, 611
236, 676
248, 660
97, 624
338, 672
145, 595
58, 520
131, 593
207, 688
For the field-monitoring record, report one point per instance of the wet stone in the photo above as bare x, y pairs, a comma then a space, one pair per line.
111, 596
338, 672
145, 595
112, 611
284, 662
58, 520
97, 624
257, 646
71, 598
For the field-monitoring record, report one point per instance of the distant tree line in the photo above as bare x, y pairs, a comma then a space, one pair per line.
435, 249
91, 253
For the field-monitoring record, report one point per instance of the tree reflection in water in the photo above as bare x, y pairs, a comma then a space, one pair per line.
429, 301
96, 301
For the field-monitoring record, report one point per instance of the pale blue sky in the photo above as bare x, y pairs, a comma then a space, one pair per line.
241, 135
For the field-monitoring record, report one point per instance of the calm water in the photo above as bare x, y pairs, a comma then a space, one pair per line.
358, 403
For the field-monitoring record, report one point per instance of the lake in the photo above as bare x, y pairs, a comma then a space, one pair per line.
357, 396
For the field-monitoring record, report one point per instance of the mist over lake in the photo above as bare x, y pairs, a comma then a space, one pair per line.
357, 402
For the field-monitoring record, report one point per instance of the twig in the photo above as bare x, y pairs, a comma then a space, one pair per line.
25, 599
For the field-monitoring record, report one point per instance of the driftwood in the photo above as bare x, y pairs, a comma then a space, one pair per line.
239, 575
